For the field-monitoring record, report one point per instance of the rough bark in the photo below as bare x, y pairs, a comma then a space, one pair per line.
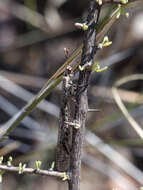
81, 102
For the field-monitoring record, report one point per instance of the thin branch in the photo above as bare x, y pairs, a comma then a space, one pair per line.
32, 171
81, 102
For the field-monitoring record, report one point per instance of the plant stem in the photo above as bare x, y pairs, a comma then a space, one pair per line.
81, 102
32, 171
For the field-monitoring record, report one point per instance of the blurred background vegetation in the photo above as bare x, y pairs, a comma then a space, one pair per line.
33, 35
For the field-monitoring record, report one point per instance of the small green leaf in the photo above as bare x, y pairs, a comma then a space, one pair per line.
122, 11
1, 159
99, 2
1, 176
52, 166
96, 67
127, 14
24, 166
118, 14
38, 164
80, 68
124, 1
9, 162
65, 177
81, 26
106, 42
77, 126
102, 69
21, 168
85, 27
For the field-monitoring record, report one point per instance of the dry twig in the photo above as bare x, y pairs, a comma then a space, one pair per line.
32, 171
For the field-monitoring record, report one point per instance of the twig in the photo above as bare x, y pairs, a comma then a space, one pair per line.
81, 102
32, 171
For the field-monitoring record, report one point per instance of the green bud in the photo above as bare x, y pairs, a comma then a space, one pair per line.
106, 42
80, 68
65, 177
1, 159
10, 161
99, 2
127, 14
96, 67
52, 166
124, 1
1, 176
21, 168
38, 164
85, 27
77, 126
102, 69
118, 15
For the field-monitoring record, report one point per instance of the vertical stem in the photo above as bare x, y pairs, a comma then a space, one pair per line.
81, 103
78, 135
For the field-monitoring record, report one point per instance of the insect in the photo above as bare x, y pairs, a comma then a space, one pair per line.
65, 130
